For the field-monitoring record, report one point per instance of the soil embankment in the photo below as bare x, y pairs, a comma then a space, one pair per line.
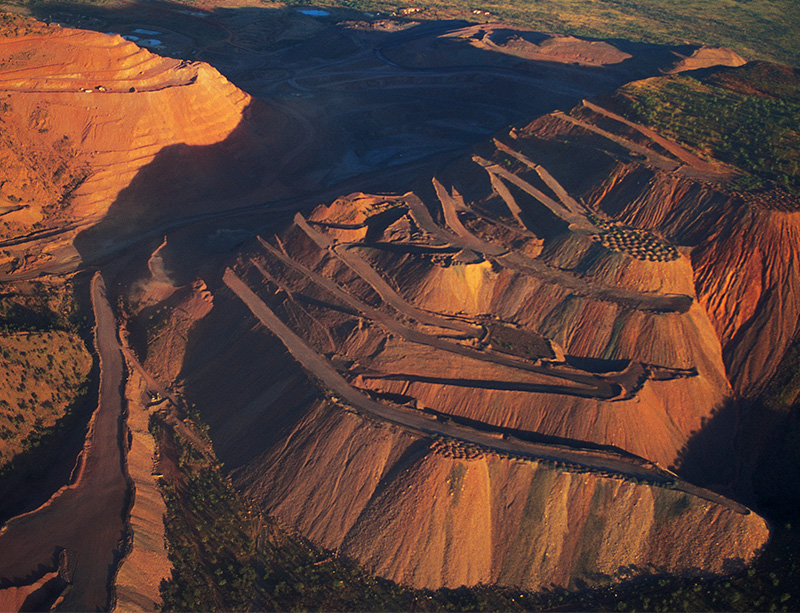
141, 572
387, 506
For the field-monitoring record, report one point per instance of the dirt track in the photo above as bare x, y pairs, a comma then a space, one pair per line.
705, 170
575, 220
602, 461
85, 517
583, 384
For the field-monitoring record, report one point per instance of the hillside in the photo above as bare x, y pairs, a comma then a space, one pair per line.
46, 371
83, 113
491, 300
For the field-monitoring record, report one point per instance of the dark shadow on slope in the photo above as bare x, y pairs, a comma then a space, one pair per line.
338, 128
242, 381
710, 457
187, 183
776, 467
382, 111
749, 451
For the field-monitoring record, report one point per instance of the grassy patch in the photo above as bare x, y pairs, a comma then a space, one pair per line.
455, 480
748, 117
669, 505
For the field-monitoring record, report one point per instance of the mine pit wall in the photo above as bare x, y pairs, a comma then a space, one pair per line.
432, 515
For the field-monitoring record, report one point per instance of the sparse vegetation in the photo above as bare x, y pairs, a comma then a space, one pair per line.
12, 24
44, 365
748, 117
767, 29
44, 373
639, 244
209, 533
757, 29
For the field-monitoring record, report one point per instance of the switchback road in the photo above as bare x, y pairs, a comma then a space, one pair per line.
597, 461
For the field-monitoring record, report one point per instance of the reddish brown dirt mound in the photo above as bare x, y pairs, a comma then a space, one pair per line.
430, 516
607, 310
566, 49
743, 280
79, 98
473, 382
705, 57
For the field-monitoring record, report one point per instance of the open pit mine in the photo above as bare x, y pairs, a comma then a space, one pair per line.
421, 294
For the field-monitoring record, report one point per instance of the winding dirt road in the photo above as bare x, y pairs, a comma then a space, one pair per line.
606, 461
581, 383
711, 172
86, 517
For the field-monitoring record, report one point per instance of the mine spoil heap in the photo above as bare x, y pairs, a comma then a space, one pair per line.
428, 317
510, 367
498, 375
87, 117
